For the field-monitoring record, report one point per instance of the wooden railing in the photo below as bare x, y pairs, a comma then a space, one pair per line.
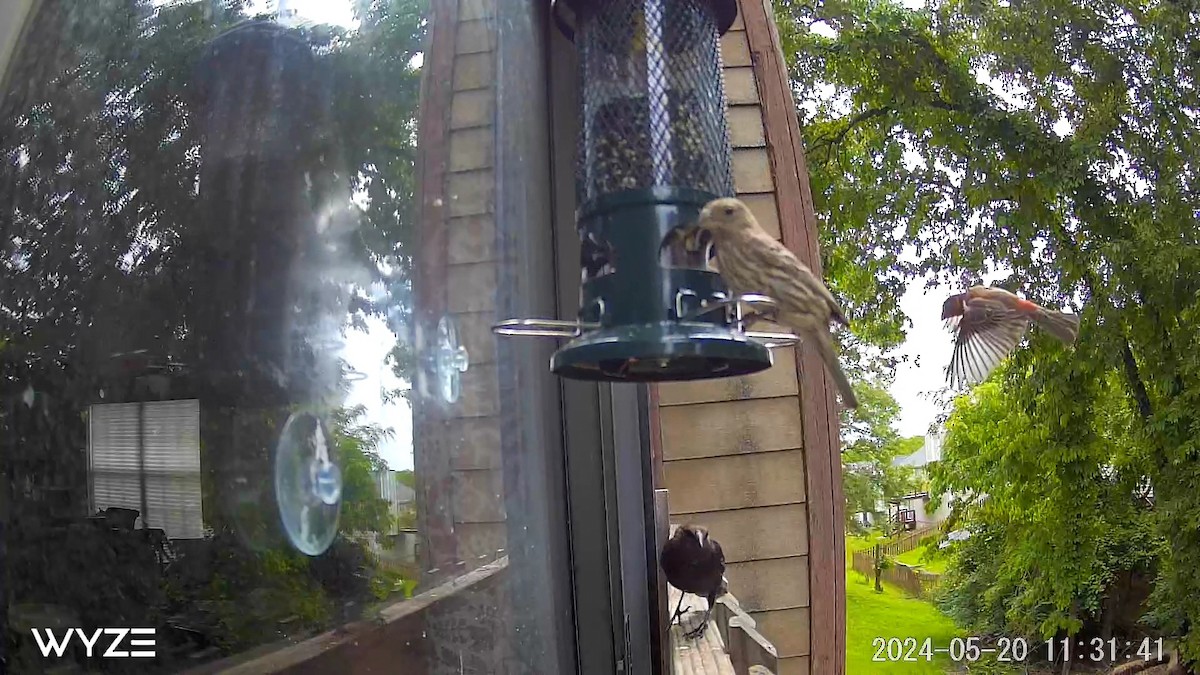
749, 651
372, 644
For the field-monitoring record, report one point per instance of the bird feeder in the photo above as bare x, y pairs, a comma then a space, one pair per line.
653, 149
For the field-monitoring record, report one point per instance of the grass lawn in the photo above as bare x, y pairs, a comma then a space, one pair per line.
861, 543
891, 614
915, 558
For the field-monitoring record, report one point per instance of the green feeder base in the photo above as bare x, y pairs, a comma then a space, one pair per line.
660, 352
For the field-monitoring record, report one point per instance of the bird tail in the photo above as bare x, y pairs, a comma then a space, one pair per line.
1061, 325
824, 344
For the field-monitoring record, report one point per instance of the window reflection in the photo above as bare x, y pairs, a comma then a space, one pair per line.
144, 458
247, 275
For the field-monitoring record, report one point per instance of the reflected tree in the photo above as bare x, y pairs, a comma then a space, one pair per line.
194, 204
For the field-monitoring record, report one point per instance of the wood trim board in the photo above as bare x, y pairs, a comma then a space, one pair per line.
820, 430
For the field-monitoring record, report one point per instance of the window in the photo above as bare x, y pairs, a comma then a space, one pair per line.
146, 456
250, 257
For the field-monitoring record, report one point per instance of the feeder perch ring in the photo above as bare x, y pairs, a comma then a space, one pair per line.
570, 329
542, 328
751, 299
772, 340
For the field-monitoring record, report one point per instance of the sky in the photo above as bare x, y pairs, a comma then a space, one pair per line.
336, 12
366, 352
928, 346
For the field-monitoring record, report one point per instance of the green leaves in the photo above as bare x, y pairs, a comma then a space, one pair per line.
1057, 140
871, 444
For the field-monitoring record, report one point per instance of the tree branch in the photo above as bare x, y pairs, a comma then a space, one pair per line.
864, 116
1136, 385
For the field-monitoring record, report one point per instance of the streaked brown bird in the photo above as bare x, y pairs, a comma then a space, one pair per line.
989, 323
694, 563
752, 261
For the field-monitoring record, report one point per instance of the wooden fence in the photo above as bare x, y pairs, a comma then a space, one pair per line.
909, 540
914, 582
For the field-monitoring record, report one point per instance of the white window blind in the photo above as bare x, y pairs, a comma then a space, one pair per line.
164, 438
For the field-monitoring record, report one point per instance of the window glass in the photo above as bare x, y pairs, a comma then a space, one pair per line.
249, 262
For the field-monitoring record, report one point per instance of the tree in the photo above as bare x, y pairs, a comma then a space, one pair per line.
868, 477
362, 508
1051, 141
1064, 518
880, 562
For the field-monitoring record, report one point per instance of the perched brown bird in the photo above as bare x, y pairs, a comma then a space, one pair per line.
752, 261
989, 323
694, 563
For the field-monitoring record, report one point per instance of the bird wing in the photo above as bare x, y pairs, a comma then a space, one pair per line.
800, 270
988, 331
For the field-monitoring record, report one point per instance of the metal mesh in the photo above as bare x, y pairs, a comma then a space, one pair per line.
653, 98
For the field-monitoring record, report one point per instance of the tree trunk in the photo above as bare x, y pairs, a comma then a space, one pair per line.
1066, 666
1112, 605
877, 559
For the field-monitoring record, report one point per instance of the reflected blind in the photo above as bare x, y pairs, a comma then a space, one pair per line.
163, 439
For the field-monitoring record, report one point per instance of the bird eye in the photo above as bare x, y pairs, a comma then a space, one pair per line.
729, 210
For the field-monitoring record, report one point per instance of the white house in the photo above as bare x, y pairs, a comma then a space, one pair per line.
402, 543
915, 510
399, 496
918, 509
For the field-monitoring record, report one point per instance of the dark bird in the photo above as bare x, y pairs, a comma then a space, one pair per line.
694, 563
989, 323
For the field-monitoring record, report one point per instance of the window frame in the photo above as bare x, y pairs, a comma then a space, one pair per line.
607, 427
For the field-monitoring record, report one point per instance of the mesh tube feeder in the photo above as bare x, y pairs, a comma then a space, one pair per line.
653, 149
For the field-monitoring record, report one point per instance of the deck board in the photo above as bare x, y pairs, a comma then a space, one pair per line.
704, 656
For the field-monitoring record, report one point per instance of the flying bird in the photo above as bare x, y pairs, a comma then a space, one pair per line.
989, 323
752, 261
694, 563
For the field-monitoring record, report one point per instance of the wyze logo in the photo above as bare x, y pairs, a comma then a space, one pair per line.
92, 643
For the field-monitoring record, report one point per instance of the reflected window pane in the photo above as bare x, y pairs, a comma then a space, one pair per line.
249, 263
